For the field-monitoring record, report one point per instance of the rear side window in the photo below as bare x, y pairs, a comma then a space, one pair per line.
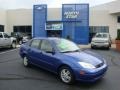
1, 36
35, 43
105, 35
46, 46
99, 35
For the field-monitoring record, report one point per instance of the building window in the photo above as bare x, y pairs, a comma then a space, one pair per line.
1, 28
23, 29
97, 29
118, 19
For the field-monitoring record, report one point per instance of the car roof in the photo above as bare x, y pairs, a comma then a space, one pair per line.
47, 38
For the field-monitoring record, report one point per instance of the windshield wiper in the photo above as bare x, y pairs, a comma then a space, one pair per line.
76, 50
70, 51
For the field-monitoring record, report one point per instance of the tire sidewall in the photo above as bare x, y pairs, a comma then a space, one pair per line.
13, 45
71, 72
25, 58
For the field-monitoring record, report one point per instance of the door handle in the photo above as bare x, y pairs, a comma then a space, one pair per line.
42, 52
29, 50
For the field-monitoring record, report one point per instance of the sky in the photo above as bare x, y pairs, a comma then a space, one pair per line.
15, 4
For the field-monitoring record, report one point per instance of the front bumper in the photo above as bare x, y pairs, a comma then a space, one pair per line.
90, 75
95, 44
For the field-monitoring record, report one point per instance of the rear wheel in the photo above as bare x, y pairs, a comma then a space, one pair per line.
66, 75
92, 47
108, 48
25, 61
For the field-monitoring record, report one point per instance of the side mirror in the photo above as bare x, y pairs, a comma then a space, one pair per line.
9, 36
52, 52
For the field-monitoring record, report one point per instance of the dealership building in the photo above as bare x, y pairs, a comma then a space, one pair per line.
79, 22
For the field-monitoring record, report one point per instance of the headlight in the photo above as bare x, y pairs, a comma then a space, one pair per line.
86, 65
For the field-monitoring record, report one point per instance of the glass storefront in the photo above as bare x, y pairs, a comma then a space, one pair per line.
23, 29
1, 28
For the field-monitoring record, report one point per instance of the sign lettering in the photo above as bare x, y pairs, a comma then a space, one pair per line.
72, 14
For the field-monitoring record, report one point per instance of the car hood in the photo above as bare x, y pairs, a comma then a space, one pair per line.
13, 38
86, 56
100, 39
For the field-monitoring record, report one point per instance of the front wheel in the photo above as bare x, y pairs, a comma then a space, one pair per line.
13, 45
66, 75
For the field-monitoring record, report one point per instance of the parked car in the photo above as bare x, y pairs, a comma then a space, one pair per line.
18, 36
7, 41
101, 40
26, 39
63, 58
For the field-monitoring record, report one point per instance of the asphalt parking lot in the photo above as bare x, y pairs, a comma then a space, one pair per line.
14, 76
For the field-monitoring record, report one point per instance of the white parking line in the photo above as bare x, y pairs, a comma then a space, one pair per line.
8, 51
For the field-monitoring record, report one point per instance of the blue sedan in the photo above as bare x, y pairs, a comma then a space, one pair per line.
63, 58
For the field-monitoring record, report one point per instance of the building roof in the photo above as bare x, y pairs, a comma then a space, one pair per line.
113, 7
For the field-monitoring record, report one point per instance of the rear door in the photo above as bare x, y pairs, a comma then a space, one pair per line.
40, 54
34, 52
1, 40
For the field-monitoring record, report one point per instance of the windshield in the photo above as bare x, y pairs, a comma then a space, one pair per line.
66, 46
101, 36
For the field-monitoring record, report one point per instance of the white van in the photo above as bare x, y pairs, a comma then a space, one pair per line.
101, 40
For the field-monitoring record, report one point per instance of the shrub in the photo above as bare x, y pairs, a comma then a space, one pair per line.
118, 34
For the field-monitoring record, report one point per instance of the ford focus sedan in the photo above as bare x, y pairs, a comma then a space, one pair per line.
63, 58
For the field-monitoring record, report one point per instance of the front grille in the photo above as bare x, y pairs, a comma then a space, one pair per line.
99, 41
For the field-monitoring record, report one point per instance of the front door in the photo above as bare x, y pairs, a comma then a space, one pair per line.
47, 57
7, 40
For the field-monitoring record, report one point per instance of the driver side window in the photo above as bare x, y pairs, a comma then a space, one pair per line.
46, 46
5, 35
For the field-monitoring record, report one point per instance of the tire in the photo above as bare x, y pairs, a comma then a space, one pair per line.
108, 48
26, 62
20, 42
13, 45
110, 45
66, 75
92, 47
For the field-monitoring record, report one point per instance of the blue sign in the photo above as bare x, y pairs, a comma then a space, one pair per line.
39, 20
54, 26
71, 14
75, 12
75, 19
